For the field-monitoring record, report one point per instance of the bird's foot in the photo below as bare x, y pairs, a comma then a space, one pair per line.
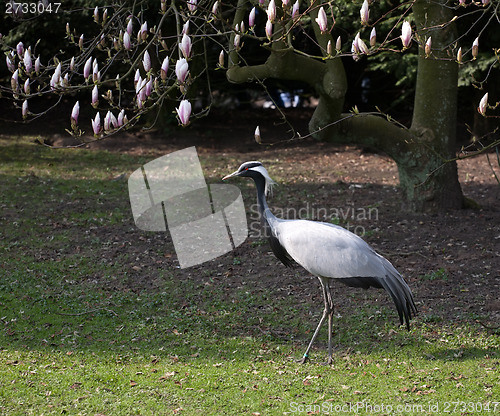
329, 361
304, 359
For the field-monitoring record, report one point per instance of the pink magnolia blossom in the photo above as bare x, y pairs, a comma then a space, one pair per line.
406, 34
181, 70
373, 37
9, 59
146, 61
25, 109
96, 124
164, 68
185, 46
251, 18
184, 112
14, 80
143, 33
192, 5
95, 97
37, 65
74, 114
364, 13
28, 64
122, 118
271, 11
127, 44
322, 21
295, 9
20, 50
87, 68
269, 29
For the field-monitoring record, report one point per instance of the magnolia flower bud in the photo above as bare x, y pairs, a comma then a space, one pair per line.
329, 49
37, 65
406, 34
221, 58
251, 18
185, 28
74, 115
87, 68
80, 42
428, 46
269, 29
27, 61
95, 97
338, 44
237, 39
459, 55
257, 135
25, 109
271, 11
322, 21
295, 9
364, 13
127, 44
130, 26
184, 112
475, 48
96, 14
26, 87
185, 46
14, 81
373, 37
143, 33
146, 61
164, 69
215, 7
483, 104
20, 50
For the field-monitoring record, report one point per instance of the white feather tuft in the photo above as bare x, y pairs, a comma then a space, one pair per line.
269, 182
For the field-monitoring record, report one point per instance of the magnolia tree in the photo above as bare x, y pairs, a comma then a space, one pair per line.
140, 59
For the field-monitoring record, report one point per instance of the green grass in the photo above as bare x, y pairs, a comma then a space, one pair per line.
80, 335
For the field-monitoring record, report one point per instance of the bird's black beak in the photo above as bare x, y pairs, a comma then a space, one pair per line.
231, 175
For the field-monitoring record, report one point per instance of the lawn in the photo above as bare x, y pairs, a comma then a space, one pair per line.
96, 319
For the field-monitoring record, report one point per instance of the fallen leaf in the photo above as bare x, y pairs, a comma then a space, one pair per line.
132, 383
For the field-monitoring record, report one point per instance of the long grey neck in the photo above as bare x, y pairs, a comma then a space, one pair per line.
266, 213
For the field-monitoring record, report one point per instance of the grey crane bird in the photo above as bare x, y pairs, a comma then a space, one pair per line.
328, 252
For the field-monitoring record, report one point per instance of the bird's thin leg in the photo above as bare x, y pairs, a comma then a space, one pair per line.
325, 313
330, 322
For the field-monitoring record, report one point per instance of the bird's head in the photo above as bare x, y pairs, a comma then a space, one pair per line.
254, 170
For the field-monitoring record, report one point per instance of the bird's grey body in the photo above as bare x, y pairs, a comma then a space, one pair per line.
329, 252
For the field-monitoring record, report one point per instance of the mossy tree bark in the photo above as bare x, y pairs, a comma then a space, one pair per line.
428, 184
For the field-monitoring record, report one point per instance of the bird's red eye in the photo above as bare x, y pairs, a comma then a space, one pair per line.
246, 168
